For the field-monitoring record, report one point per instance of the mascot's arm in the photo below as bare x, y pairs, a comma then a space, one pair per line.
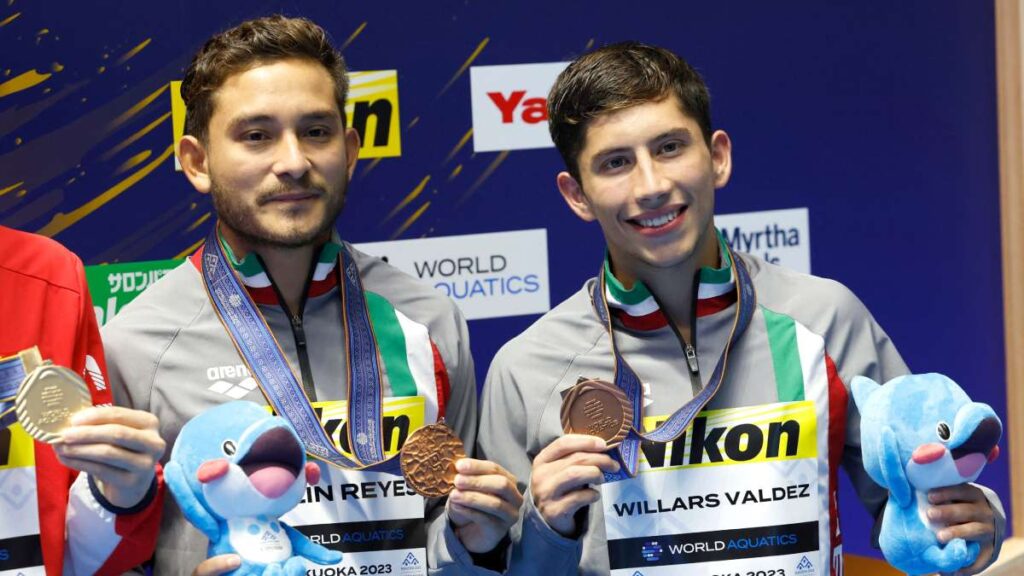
193, 509
303, 546
892, 469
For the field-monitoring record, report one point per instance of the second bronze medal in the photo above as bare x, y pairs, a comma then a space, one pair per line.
597, 408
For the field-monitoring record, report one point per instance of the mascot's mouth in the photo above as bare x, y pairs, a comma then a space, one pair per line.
273, 462
981, 446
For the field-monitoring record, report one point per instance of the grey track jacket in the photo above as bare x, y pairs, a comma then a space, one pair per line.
169, 354
800, 321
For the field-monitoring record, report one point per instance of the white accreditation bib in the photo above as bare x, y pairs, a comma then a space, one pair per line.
20, 548
375, 519
736, 495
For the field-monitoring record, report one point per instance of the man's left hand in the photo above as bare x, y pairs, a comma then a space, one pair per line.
484, 504
965, 513
118, 447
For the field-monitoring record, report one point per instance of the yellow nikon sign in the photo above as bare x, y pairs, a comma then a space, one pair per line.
372, 109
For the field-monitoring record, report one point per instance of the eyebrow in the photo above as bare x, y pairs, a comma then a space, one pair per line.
317, 115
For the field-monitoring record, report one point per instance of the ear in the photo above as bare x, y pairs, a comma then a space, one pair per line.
862, 388
351, 150
892, 469
721, 157
194, 162
190, 506
573, 194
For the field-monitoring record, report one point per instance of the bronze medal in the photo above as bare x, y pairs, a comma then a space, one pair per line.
597, 408
48, 398
428, 460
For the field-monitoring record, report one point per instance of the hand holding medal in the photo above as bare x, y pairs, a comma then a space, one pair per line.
116, 446
597, 408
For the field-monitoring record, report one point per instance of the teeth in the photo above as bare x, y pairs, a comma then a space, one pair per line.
659, 221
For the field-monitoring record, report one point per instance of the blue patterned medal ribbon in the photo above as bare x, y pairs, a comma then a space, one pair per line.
12, 372
628, 453
268, 365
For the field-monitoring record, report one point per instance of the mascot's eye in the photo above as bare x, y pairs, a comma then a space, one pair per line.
943, 431
228, 447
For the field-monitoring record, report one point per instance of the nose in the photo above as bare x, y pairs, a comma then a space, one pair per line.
651, 187
291, 160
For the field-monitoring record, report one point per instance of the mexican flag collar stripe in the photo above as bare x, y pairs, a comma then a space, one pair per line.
637, 309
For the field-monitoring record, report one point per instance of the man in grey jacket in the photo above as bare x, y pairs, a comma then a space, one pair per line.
744, 479
266, 136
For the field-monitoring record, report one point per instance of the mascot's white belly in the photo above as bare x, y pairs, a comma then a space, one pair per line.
259, 539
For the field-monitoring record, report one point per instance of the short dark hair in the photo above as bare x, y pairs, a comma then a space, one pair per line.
616, 77
250, 44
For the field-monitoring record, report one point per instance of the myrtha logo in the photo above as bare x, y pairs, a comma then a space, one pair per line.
804, 568
651, 551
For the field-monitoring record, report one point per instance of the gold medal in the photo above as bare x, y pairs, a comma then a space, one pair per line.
48, 398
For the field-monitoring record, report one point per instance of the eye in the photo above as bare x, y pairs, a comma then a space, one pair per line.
943, 431
671, 147
614, 163
229, 447
254, 136
318, 132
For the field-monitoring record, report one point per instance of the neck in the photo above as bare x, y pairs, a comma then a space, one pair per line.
674, 287
288, 268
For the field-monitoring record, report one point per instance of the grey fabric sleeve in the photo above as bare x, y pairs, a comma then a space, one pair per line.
504, 438
445, 551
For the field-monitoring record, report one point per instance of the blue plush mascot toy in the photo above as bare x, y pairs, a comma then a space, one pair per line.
917, 433
234, 470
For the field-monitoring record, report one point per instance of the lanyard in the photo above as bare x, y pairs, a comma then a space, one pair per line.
267, 363
628, 453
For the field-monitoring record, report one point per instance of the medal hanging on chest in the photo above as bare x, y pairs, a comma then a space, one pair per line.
615, 411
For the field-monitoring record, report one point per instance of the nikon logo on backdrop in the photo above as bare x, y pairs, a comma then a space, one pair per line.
372, 109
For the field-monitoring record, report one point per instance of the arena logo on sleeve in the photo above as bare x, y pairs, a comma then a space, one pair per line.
781, 237
510, 105
487, 275
371, 108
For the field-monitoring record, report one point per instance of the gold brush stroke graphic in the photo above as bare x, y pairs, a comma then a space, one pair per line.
414, 122
370, 166
133, 161
408, 198
408, 222
142, 45
9, 188
128, 114
9, 19
462, 142
134, 137
455, 172
352, 37
198, 222
21, 82
465, 65
486, 174
61, 221
184, 253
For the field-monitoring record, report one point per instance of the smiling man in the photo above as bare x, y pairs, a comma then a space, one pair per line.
736, 372
275, 308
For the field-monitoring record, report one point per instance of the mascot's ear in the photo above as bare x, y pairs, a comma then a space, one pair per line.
892, 469
863, 388
190, 506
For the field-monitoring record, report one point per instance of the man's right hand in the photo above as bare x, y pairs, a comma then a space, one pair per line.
217, 565
562, 479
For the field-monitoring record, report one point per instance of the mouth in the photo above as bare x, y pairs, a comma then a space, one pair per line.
273, 462
979, 448
289, 197
660, 221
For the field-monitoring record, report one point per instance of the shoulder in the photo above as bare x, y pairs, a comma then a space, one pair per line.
159, 312
34, 256
819, 303
408, 296
548, 347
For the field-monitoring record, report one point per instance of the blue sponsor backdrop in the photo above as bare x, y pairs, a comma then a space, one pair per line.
877, 116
